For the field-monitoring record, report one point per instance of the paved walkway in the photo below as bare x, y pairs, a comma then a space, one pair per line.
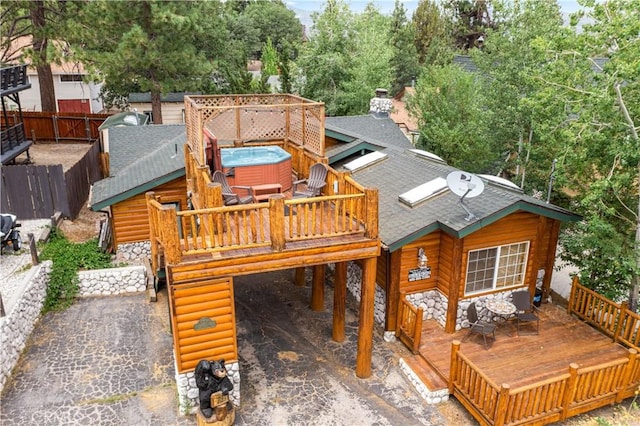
108, 361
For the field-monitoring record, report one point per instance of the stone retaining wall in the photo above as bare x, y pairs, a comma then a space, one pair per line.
188, 402
18, 324
112, 281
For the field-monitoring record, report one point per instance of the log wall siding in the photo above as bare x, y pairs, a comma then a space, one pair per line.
445, 264
382, 270
131, 217
515, 228
409, 260
191, 305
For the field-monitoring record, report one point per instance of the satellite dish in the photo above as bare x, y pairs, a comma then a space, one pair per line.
465, 185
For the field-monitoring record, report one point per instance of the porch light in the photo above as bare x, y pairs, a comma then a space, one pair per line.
422, 258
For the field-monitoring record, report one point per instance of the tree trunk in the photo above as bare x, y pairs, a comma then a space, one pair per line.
40, 43
156, 106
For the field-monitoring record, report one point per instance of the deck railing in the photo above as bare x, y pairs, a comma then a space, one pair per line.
409, 327
552, 400
12, 136
210, 227
613, 319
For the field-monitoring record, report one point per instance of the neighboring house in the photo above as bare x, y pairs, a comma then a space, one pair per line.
401, 115
141, 159
73, 93
172, 106
122, 119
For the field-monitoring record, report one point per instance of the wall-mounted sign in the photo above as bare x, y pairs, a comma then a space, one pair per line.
204, 323
419, 274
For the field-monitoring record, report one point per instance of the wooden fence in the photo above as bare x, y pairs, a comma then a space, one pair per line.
38, 191
558, 398
68, 127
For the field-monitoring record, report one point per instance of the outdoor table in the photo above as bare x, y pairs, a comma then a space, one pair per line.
501, 308
263, 192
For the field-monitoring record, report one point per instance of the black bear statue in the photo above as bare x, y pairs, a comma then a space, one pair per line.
211, 377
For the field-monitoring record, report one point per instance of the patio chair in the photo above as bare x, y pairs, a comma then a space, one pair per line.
228, 194
525, 310
314, 184
479, 327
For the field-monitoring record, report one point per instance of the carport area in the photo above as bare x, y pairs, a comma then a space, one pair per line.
108, 360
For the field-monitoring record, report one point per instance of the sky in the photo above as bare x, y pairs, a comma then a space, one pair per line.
386, 6
305, 7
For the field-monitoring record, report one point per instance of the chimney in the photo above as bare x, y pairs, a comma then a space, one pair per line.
380, 106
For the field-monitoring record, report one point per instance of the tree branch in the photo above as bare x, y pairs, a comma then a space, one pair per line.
625, 111
564, 86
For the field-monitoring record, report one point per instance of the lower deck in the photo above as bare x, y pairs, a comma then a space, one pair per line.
528, 358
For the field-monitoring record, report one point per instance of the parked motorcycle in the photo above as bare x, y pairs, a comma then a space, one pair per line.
9, 234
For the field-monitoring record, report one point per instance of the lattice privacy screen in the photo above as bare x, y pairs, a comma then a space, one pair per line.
255, 118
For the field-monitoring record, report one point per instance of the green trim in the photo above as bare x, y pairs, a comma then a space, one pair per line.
338, 135
414, 236
563, 216
352, 150
138, 190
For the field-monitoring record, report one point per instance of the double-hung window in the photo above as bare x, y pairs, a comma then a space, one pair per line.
496, 267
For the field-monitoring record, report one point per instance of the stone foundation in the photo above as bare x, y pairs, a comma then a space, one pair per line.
133, 252
434, 306
18, 324
434, 396
188, 402
354, 285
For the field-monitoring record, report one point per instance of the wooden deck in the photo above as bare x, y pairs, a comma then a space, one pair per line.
528, 358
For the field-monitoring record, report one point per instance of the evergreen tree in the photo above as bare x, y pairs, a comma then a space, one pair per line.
432, 34
404, 59
148, 44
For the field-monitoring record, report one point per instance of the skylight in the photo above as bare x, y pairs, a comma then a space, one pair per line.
364, 161
501, 181
428, 155
424, 192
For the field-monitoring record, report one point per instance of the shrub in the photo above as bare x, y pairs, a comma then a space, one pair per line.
68, 258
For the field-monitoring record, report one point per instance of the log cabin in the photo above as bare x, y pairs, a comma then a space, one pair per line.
421, 255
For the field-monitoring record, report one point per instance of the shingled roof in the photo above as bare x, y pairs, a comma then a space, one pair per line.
140, 158
403, 170
360, 132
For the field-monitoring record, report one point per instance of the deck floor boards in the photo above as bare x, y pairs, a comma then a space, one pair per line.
528, 358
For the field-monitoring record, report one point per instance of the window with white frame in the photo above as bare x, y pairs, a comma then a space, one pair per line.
496, 267
70, 78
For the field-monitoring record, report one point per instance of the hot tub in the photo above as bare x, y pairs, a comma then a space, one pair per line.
257, 166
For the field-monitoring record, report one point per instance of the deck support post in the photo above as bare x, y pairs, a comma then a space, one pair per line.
365, 328
339, 301
317, 289
298, 277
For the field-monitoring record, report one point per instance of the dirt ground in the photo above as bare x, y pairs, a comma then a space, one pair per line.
85, 227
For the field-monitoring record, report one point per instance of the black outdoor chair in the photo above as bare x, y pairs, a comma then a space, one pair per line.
525, 310
230, 196
479, 327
